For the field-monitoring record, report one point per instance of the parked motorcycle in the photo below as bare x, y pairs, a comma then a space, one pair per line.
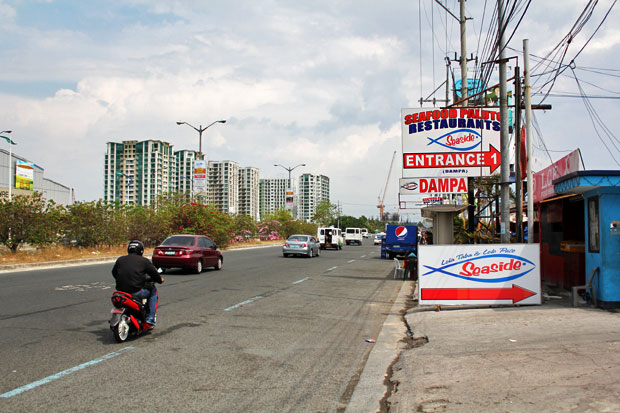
128, 315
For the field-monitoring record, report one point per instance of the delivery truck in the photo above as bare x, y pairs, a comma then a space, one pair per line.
399, 241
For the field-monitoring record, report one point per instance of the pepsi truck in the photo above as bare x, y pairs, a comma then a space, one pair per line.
399, 240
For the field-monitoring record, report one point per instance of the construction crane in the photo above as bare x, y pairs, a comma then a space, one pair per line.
382, 196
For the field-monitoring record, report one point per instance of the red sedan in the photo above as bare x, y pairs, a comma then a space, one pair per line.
188, 251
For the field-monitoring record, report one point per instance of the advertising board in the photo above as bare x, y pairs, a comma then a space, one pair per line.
543, 180
415, 186
490, 274
450, 142
200, 175
290, 197
24, 175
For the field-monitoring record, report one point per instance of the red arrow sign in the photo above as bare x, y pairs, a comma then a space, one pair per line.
515, 293
491, 159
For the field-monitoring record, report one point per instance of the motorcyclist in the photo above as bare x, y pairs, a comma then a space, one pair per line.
131, 271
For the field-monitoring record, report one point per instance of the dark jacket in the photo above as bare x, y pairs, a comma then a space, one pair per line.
130, 272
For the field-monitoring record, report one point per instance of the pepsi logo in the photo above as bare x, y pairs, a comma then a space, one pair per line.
401, 232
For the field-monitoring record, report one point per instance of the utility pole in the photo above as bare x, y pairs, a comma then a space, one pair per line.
528, 132
503, 137
518, 177
464, 91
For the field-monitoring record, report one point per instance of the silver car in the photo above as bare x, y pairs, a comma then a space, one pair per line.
301, 245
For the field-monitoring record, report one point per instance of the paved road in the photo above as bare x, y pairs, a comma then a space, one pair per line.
266, 333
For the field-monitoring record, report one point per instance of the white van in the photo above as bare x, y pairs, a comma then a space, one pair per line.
330, 238
365, 232
353, 236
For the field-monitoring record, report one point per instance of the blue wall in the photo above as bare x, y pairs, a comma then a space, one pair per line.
607, 287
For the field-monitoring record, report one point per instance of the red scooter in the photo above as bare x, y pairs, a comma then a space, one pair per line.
128, 316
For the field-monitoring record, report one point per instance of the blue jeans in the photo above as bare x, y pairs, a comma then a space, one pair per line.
151, 296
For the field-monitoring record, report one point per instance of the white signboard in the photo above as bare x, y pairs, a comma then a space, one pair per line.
490, 274
200, 175
415, 186
450, 142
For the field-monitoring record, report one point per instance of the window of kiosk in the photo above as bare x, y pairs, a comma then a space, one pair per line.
593, 226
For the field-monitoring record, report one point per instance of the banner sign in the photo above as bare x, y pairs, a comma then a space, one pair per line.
543, 180
24, 175
493, 274
200, 175
411, 186
290, 196
450, 142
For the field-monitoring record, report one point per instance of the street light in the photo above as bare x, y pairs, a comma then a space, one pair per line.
200, 130
10, 142
289, 169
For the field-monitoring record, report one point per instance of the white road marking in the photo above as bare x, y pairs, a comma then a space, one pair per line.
63, 373
350, 261
258, 297
331, 269
302, 280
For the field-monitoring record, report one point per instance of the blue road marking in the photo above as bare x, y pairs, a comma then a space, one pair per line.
63, 373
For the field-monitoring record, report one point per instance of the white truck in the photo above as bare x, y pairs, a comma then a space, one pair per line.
353, 236
330, 238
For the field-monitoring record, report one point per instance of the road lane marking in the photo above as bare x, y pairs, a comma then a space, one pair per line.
350, 261
300, 281
331, 269
63, 373
363, 256
258, 297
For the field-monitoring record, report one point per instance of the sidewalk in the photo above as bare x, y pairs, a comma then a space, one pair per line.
546, 358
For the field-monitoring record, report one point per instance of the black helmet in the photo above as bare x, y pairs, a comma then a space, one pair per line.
135, 247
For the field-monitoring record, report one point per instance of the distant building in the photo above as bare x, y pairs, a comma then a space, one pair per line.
223, 186
312, 190
52, 191
137, 172
185, 171
248, 192
272, 195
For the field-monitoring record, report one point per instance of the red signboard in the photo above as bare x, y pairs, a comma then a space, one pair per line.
543, 180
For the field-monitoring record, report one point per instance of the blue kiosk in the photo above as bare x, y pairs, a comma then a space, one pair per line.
601, 197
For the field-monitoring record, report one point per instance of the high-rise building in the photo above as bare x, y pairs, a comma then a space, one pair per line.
248, 192
312, 190
272, 195
223, 186
137, 172
185, 171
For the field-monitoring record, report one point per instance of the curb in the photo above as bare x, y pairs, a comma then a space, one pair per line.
371, 387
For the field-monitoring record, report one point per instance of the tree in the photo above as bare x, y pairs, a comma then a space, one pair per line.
326, 213
24, 219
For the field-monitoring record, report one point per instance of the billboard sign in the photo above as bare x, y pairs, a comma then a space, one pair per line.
450, 142
290, 197
415, 186
543, 180
493, 274
24, 175
200, 175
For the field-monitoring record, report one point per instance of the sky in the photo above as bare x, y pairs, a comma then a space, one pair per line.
314, 82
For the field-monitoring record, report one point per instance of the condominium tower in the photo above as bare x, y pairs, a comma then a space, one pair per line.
312, 190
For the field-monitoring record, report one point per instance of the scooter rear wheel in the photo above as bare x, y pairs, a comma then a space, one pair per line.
121, 330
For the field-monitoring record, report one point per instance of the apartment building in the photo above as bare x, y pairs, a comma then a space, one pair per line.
184, 182
137, 172
248, 192
312, 190
223, 186
272, 195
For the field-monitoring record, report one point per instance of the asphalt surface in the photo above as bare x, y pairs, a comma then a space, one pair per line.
265, 333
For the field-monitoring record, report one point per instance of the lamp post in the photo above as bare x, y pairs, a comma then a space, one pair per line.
290, 184
10, 142
289, 169
200, 129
